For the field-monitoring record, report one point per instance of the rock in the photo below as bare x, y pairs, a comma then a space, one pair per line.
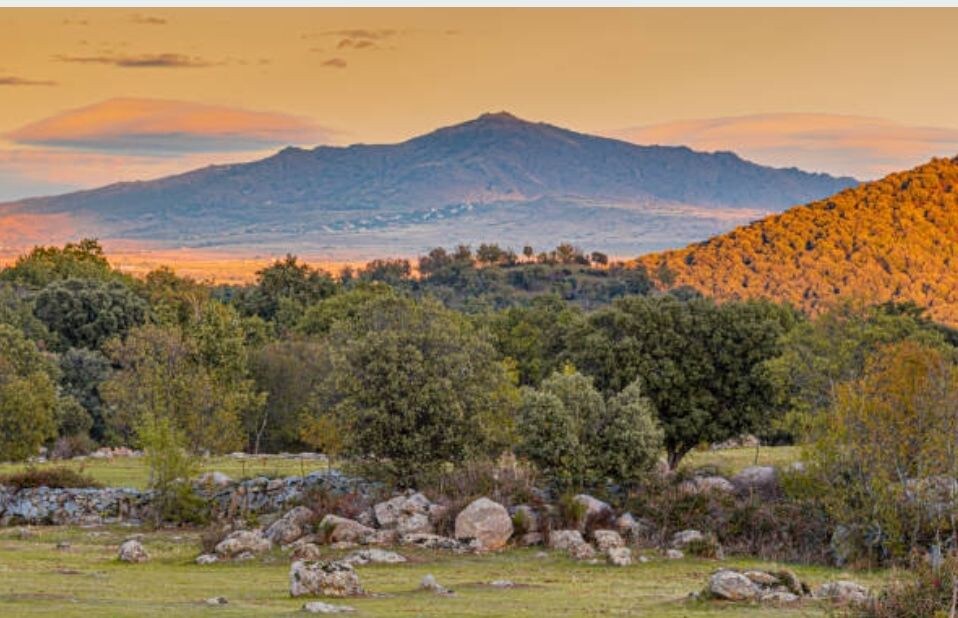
627, 525
594, 508
204, 559
682, 539
243, 542
744, 441
778, 597
791, 581
674, 554
619, 556
565, 539
308, 552
318, 607
373, 556
383, 537
409, 514
842, 545
582, 551
216, 601
530, 538
842, 592
731, 586
607, 539
132, 551
502, 583
324, 579
762, 578
706, 484
291, 526
645, 559
338, 529
430, 584
486, 521
215, 479
756, 478
431, 541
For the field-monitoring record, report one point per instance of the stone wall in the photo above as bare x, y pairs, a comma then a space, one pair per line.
44, 506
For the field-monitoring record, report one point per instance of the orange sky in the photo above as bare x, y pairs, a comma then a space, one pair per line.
860, 91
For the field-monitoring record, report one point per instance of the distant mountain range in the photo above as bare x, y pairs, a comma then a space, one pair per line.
496, 178
895, 239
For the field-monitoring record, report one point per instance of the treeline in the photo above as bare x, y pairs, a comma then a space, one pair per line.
411, 372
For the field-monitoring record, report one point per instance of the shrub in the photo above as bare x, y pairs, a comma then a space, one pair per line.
171, 468
506, 480
212, 534
921, 592
68, 447
322, 501
59, 477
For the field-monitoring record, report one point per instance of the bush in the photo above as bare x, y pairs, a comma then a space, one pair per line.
68, 447
59, 477
171, 468
321, 501
921, 592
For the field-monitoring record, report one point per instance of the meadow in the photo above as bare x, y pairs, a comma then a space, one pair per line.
84, 579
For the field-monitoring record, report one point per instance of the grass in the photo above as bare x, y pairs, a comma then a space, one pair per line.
37, 579
730, 461
132, 471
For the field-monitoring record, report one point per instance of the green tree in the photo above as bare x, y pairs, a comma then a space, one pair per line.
44, 265
84, 313
631, 438
412, 384
702, 365
82, 372
171, 468
28, 397
285, 288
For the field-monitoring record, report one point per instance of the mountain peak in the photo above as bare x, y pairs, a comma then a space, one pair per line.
502, 116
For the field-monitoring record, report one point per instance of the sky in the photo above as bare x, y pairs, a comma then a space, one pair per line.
93, 96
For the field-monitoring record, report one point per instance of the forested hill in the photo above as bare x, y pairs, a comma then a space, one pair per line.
894, 239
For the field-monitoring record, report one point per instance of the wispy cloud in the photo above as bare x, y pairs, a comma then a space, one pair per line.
147, 20
11, 80
839, 144
358, 33
159, 127
356, 44
163, 60
335, 63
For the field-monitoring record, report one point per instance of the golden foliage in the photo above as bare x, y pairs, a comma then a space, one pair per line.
894, 239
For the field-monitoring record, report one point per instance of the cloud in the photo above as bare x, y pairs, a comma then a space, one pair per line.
360, 33
165, 60
147, 20
859, 146
157, 127
356, 44
335, 63
10, 80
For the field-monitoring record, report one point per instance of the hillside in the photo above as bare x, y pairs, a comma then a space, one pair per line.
894, 239
495, 178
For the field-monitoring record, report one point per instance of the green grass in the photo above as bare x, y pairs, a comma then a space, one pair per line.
36, 579
132, 471
730, 461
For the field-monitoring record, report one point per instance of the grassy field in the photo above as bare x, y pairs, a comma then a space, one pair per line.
37, 579
132, 472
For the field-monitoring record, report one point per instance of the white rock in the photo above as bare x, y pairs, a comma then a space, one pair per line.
732, 586
619, 556
133, 551
607, 539
318, 607
373, 556
324, 579
485, 521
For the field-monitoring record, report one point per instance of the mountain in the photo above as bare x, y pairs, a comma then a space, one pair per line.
895, 239
495, 178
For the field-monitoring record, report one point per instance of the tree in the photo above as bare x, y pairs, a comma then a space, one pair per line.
579, 440
44, 265
82, 373
887, 452
174, 300
84, 313
286, 284
162, 373
702, 365
412, 384
28, 397
171, 468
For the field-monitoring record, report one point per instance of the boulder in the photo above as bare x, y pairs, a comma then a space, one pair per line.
732, 586
607, 539
486, 521
756, 478
409, 514
582, 551
373, 556
594, 508
619, 556
204, 559
132, 551
214, 479
674, 554
243, 542
626, 525
680, 540
842, 592
338, 529
216, 601
430, 584
778, 596
706, 484
318, 607
383, 537
431, 541
307, 552
291, 526
565, 539
530, 538
323, 579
